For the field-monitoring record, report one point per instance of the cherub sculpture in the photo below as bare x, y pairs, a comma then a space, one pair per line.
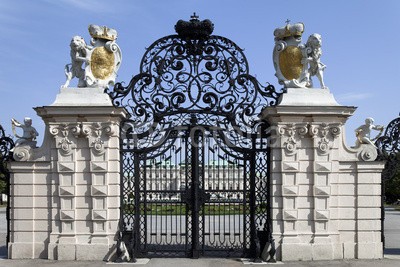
79, 55
314, 52
363, 133
29, 132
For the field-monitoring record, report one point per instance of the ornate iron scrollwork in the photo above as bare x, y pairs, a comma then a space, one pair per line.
200, 74
6, 146
389, 149
194, 82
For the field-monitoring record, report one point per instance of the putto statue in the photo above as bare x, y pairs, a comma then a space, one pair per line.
29, 132
314, 53
363, 133
94, 65
295, 62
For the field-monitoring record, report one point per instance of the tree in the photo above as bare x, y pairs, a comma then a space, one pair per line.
392, 188
391, 176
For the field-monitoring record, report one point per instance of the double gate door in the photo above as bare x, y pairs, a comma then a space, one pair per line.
193, 194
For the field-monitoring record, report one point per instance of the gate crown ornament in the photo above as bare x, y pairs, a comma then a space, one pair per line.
295, 62
101, 60
194, 29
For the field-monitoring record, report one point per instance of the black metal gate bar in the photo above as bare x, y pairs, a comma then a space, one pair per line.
388, 150
137, 237
195, 187
6, 146
194, 174
255, 246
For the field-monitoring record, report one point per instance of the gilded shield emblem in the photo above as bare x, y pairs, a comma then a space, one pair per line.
290, 62
102, 63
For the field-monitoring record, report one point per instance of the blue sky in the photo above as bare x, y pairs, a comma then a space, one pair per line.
360, 45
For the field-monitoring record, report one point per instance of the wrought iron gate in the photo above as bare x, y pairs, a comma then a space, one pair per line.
389, 150
6, 145
194, 155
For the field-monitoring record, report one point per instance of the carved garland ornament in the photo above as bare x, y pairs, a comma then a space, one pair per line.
94, 132
292, 133
291, 140
323, 130
62, 133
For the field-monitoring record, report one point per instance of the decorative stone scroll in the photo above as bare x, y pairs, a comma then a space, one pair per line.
292, 134
326, 133
62, 133
94, 132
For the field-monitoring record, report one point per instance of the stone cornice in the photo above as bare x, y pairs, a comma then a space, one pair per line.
279, 114
66, 113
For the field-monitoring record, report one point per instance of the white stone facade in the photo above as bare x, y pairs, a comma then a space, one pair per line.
326, 196
65, 196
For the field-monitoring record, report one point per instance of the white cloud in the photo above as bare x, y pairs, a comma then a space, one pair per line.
353, 96
93, 5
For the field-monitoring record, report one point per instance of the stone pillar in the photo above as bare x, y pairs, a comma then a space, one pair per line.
81, 150
309, 160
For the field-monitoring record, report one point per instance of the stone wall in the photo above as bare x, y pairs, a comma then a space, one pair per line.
326, 196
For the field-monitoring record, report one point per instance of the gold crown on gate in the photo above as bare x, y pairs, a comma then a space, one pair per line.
102, 32
289, 30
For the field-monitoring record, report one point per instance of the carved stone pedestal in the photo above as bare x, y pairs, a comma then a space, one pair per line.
66, 194
316, 181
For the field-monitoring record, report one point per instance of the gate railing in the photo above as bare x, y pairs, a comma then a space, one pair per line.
389, 150
6, 146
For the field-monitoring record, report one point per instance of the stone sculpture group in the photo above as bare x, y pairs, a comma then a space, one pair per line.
295, 62
94, 65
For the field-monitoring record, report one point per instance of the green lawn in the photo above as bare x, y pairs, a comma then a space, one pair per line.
180, 209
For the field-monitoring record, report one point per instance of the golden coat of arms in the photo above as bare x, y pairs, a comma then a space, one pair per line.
94, 65
295, 62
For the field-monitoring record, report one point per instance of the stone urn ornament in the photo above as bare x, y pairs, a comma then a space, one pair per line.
295, 62
94, 65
